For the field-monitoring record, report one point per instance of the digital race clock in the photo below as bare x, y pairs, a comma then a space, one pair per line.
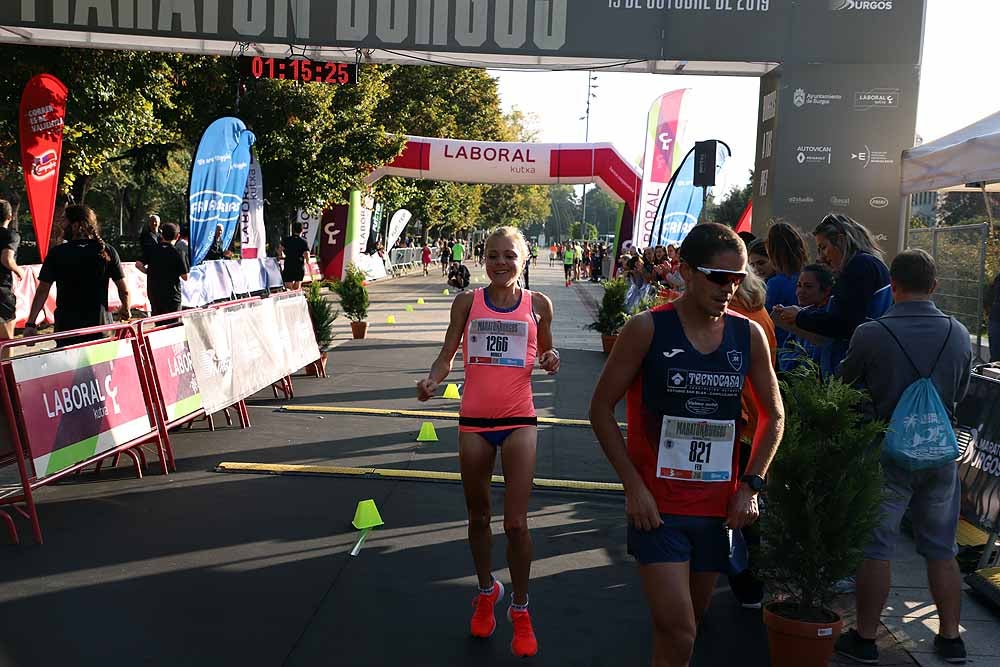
298, 69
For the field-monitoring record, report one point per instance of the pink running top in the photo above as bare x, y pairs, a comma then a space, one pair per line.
499, 348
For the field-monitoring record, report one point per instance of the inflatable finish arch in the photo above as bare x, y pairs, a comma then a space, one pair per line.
522, 164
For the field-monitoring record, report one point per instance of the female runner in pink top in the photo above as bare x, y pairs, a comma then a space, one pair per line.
503, 329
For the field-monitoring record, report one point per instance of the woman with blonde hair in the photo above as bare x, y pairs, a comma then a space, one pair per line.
503, 329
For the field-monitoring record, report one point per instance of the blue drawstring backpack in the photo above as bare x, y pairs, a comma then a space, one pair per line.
920, 434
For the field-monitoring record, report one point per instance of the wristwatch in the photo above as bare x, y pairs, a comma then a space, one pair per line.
755, 482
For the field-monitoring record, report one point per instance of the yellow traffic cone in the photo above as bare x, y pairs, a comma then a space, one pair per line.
391, 319
451, 391
445, 292
427, 433
420, 301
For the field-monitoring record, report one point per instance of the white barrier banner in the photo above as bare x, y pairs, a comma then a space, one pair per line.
258, 352
294, 332
210, 340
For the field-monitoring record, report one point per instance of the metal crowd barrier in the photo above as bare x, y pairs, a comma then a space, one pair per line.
68, 408
404, 260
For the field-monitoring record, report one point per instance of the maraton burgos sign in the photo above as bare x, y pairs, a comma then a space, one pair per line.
879, 31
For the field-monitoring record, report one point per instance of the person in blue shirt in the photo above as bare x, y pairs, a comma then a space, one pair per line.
813, 290
862, 290
787, 253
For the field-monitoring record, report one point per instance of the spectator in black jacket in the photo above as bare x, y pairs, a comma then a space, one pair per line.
862, 290
149, 237
165, 269
216, 251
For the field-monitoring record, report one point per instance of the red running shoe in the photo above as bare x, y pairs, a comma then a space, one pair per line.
524, 644
483, 622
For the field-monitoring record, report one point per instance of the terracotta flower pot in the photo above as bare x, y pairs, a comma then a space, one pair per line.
608, 342
359, 329
799, 643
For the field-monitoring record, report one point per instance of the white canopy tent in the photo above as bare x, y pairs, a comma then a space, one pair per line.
950, 164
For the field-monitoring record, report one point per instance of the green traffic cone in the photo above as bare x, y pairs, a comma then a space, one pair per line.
366, 517
409, 308
451, 391
427, 433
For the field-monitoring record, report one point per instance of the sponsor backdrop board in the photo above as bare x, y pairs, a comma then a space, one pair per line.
841, 31
838, 134
79, 402
174, 370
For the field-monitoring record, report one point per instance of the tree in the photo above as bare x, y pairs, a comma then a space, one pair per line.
602, 211
316, 142
965, 208
732, 205
443, 102
114, 104
564, 209
517, 205
589, 232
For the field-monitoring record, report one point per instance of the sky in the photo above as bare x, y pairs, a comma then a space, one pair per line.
956, 90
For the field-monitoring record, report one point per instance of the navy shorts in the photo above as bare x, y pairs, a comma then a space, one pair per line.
705, 542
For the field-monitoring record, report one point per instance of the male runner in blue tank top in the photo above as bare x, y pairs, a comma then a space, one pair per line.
684, 366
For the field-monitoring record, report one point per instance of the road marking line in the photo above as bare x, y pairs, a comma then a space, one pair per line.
425, 475
422, 414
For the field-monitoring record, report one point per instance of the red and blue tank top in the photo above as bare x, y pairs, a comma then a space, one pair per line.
683, 416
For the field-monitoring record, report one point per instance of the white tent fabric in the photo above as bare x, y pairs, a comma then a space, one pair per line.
970, 155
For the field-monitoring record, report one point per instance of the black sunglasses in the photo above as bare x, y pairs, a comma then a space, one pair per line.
722, 276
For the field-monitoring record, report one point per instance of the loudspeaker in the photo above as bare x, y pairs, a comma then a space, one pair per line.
704, 163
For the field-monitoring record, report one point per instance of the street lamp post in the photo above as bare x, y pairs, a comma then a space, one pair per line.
591, 85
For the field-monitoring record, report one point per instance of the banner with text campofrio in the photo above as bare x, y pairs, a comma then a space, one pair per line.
175, 373
80, 402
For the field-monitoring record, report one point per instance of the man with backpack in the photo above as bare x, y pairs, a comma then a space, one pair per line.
916, 362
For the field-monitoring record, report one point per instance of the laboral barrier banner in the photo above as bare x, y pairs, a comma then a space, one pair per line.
175, 373
79, 402
42, 116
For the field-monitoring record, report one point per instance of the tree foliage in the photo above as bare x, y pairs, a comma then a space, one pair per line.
564, 209
578, 231
731, 206
602, 211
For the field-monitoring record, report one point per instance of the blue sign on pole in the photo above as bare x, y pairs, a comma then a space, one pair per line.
218, 181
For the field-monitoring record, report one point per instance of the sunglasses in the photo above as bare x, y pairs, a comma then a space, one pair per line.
722, 276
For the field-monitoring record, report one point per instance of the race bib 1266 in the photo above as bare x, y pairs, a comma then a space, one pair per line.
498, 342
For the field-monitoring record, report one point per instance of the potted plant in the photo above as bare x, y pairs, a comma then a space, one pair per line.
612, 314
823, 498
354, 299
322, 314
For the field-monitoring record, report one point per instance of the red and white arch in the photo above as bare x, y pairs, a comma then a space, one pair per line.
521, 164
